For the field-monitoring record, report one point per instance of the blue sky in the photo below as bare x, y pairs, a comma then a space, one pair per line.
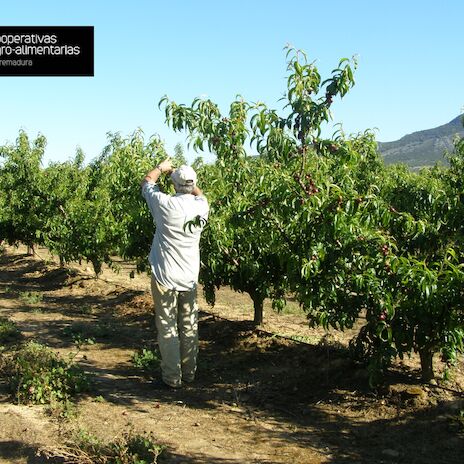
409, 76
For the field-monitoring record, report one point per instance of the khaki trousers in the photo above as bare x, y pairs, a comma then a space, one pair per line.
176, 317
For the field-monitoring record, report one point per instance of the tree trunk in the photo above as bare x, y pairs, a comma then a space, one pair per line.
426, 359
258, 301
97, 266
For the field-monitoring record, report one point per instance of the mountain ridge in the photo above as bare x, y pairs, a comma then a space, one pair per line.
424, 147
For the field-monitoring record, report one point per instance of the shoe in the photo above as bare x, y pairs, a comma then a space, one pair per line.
160, 384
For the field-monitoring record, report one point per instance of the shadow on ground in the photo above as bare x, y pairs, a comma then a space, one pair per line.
313, 396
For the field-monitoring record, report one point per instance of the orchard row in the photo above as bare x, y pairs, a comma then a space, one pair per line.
323, 220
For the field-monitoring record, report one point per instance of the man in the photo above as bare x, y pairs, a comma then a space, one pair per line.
175, 264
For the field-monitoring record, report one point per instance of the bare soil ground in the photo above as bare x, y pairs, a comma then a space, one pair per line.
260, 396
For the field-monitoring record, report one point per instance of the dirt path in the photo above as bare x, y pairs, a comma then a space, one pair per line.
259, 398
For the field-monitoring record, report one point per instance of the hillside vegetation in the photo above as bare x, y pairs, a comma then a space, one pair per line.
423, 148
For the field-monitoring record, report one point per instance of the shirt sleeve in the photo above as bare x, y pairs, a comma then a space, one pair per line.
153, 197
202, 206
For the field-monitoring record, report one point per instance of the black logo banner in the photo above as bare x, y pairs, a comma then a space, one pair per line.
46, 50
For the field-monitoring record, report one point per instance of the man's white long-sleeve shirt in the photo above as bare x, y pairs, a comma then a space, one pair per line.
175, 254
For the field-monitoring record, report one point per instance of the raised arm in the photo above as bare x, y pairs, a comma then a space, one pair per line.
153, 176
197, 191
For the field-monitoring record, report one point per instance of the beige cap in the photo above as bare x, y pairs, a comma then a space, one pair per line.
184, 175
